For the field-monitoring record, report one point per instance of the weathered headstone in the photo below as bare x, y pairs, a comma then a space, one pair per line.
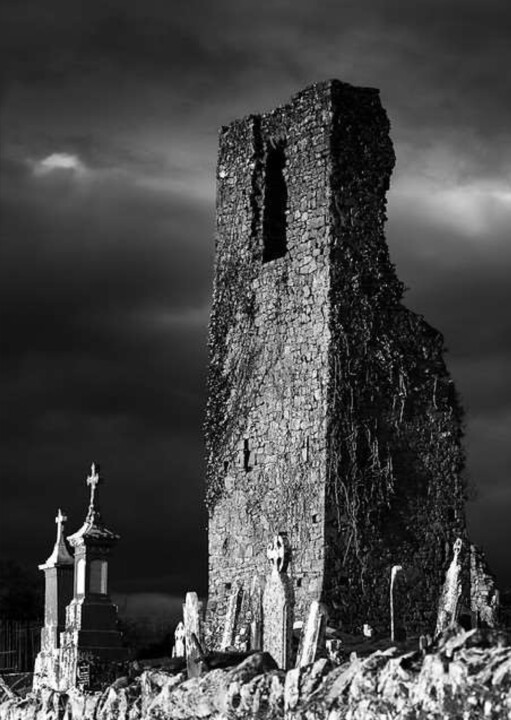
179, 649
83, 674
313, 634
193, 626
256, 614
393, 573
231, 617
451, 591
278, 603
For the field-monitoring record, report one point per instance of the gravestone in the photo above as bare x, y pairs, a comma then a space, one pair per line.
256, 614
179, 649
278, 604
313, 634
393, 573
451, 591
231, 617
83, 674
193, 627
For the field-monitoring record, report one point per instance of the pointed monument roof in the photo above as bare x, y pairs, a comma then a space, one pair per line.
60, 554
93, 527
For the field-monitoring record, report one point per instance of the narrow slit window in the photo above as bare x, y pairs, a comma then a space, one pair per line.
275, 204
247, 455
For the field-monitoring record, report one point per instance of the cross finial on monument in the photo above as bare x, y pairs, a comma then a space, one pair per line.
93, 481
60, 520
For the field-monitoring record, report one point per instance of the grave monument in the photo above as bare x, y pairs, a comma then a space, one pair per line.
58, 580
79, 646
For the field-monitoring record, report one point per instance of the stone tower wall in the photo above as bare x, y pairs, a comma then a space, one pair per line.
394, 492
330, 416
267, 412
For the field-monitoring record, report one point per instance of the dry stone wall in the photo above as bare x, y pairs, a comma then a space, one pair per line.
468, 675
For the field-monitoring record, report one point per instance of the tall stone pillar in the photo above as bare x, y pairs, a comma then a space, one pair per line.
58, 577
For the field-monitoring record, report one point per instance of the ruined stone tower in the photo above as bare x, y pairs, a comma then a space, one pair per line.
331, 416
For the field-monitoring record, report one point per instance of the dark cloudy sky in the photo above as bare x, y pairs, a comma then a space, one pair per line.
109, 119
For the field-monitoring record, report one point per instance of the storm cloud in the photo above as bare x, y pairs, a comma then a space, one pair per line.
109, 120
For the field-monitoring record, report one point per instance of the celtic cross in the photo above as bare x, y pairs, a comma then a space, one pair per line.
457, 547
278, 553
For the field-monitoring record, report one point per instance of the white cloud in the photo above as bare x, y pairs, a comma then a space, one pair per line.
59, 162
443, 186
473, 209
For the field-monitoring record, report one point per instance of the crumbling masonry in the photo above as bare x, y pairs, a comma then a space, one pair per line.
331, 416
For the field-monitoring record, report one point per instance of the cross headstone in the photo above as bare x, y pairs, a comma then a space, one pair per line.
179, 649
278, 603
83, 674
451, 591
231, 617
193, 626
256, 614
313, 634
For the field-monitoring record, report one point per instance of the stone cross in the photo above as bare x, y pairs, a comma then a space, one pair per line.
93, 481
451, 592
313, 634
278, 601
278, 554
231, 618
193, 626
60, 520
179, 649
